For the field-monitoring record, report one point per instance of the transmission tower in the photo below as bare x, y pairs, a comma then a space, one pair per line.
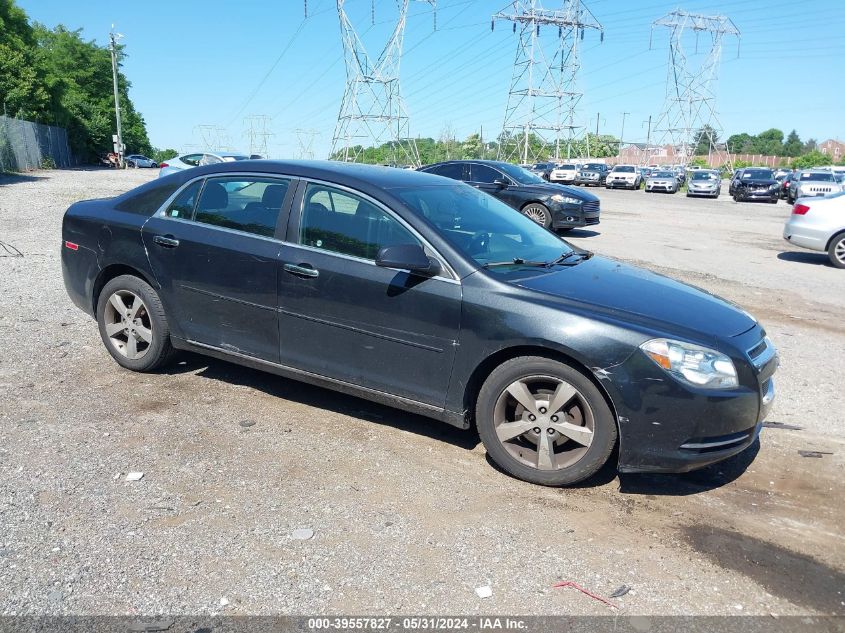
213, 137
690, 103
372, 111
305, 143
256, 128
541, 115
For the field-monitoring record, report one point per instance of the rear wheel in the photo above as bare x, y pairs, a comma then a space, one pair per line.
539, 213
133, 325
836, 251
544, 421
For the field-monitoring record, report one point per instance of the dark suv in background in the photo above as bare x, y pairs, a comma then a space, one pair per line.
592, 174
551, 205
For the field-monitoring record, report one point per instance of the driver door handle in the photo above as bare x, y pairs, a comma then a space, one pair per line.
302, 271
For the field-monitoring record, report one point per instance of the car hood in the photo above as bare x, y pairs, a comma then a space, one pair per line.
635, 294
550, 189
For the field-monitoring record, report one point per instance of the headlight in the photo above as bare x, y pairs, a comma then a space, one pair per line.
559, 197
695, 365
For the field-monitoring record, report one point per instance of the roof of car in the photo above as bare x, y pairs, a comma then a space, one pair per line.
356, 175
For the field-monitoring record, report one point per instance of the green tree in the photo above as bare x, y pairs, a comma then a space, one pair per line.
811, 159
741, 143
792, 146
471, 147
810, 146
23, 92
79, 75
161, 155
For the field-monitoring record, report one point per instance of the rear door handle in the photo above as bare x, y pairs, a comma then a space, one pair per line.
168, 241
302, 271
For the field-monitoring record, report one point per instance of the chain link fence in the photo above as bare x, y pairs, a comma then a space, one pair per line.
25, 145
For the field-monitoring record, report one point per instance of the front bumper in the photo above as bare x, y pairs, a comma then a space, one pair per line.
667, 426
625, 184
667, 187
589, 179
569, 216
703, 192
758, 194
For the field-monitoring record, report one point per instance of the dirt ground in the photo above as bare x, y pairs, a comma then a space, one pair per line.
408, 515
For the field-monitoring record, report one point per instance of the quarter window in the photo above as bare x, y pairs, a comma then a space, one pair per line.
242, 203
183, 205
342, 222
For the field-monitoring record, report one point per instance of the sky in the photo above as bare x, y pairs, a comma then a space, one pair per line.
196, 63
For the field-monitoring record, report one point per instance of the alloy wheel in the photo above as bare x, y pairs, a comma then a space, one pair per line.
544, 422
128, 325
839, 250
536, 213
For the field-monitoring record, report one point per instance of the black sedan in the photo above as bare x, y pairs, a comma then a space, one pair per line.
755, 184
429, 295
553, 206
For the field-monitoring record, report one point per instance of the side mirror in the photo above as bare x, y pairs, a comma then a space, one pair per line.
408, 257
501, 183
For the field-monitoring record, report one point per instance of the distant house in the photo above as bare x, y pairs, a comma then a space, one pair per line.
643, 154
833, 148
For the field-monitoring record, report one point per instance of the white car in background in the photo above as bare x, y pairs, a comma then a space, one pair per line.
565, 173
187, 161
818, 224
626, 176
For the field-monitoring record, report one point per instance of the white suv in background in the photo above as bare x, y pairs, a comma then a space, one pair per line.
625, 176
565, 173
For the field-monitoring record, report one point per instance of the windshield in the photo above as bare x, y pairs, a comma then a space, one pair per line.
704, 175
624, 168
229, 159
663, 174
596, 166
522, 176
818, 177
757, 174
566, 167
483, 228
542, 165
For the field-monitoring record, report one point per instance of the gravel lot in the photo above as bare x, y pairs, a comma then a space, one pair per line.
407, 514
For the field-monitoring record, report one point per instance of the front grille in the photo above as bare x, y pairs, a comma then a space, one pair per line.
591, 207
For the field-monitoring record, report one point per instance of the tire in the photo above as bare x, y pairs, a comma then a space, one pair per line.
149, 329
539, 213
836, 251
565, 460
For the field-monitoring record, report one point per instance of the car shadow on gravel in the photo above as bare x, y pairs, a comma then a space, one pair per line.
708, 478
14, 179
819, 259
579, 233
310, 395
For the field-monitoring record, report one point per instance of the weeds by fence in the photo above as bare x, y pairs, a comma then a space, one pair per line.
25, 145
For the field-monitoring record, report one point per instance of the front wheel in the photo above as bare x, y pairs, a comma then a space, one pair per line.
544, 421
836, 251
539, 213
133, 325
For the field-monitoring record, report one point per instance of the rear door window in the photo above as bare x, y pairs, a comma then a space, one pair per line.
191, 159
183, 205
242, 203
451, 170
484, 174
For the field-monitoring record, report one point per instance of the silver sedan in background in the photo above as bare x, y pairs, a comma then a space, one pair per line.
818, 224
138, 160
186, 161
704, 182
662, 181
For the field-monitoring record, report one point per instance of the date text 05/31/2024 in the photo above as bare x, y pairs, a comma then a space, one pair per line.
416, 623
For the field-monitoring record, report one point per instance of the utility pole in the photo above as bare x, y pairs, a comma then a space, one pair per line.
648, 142
113, 37
543, 99
622, 133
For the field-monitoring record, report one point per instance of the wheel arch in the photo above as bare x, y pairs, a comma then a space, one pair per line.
486, 367
110, 272
836, 235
